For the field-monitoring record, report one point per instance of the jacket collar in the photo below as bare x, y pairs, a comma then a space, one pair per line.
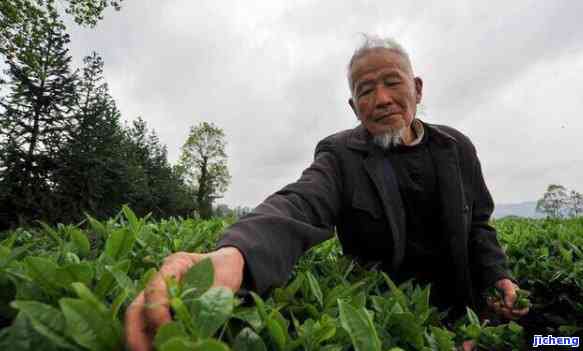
360, 138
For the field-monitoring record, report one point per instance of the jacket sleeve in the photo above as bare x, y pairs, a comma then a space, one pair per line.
489, 260
278, 231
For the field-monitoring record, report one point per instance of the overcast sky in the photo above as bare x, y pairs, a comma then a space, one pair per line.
272, 74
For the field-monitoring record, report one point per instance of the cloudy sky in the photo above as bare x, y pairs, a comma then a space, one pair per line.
272, 74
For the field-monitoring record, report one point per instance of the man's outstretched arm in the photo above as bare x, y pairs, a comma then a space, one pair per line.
289, 222
266, 243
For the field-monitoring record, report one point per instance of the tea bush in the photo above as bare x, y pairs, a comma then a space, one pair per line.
67, 287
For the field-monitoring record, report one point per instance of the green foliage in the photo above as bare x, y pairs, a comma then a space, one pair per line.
89, 12
546, 257
330, 303
358, 323
84, 12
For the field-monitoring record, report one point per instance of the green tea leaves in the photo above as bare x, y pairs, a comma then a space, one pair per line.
315, 288
198, 279
75, 272
46, 320
358, 323
80, 241
89, 326
169, 331
214, 308
248, 340
71, 295
119, 244
44, 272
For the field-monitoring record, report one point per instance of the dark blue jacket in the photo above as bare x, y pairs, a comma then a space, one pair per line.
346, 187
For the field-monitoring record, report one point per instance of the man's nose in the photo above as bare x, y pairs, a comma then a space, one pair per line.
383, 97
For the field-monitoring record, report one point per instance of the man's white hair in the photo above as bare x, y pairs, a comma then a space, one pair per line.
372, 42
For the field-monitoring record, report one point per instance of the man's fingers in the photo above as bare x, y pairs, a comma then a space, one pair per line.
491, 302
508, 290
519, 313
157, 306
469, 345
157, 309
151, 309
509, 296
136, 333
506, 312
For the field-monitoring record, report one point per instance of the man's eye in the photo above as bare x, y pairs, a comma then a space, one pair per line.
365, 92
391, 82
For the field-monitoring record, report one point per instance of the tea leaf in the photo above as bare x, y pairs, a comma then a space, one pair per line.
80, 241
119, 244
359, 325
89, 327
276, 333
46, 320
315, 288
248, 340
169, 331
214, 308
75, 272
44, 273
199, 278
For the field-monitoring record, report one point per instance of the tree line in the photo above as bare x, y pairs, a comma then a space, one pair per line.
64, 150
560, 202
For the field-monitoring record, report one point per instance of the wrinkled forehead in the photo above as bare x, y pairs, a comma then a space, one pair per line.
377, 59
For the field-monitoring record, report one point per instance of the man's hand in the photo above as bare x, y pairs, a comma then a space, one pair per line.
468, 345
150, 310
505, 308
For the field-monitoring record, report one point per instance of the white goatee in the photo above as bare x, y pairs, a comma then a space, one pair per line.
389, 139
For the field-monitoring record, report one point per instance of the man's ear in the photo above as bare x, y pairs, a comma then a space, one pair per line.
353, 107
418, 89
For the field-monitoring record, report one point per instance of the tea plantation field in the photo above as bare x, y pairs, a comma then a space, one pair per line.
67, 287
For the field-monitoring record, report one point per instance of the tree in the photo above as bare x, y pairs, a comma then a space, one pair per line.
89, 12
90, 176
575, 204
241, 211
153, 184
35, 112
84, 12
222, 210
204, 162
62, 148
554, 202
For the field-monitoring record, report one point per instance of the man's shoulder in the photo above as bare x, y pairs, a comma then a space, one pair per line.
340, 137
445, 131
343, 138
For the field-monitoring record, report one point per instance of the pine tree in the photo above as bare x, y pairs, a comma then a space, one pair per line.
90, 176
38, 90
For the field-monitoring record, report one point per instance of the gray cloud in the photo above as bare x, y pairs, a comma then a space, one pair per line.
274, 78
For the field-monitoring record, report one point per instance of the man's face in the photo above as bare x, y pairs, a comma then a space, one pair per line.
385, 93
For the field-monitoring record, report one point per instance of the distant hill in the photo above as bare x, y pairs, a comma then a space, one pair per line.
521, 209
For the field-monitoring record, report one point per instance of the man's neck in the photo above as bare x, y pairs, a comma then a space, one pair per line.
409, 135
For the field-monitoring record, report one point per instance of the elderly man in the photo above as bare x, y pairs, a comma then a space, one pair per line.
401, 192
